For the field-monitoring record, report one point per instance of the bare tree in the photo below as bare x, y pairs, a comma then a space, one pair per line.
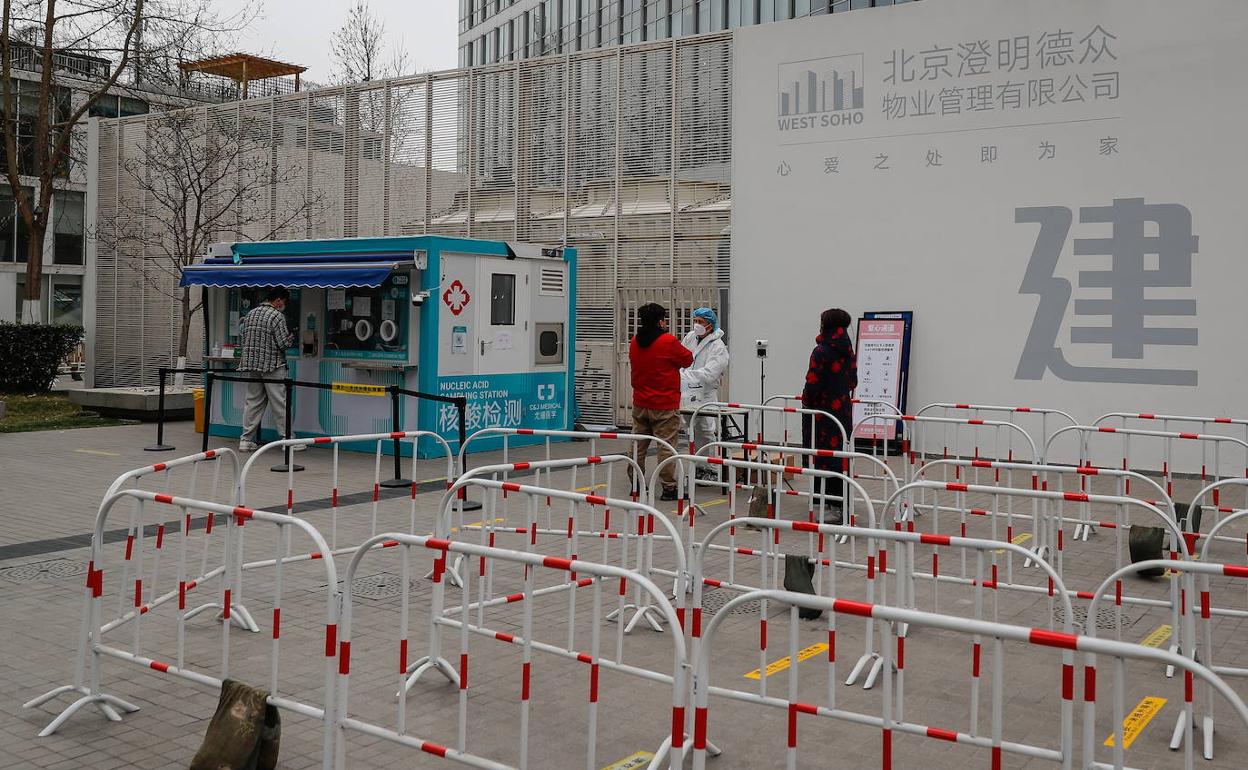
361, 55
89, 44
202, 177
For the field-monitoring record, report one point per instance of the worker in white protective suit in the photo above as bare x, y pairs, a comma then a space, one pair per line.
699, 384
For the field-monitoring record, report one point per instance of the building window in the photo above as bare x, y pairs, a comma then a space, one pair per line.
66, 299
502, 299
68, 210
14, 238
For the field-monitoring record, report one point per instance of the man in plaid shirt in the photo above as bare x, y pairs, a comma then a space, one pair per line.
265, 339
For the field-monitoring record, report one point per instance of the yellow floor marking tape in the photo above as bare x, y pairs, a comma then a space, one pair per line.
780, 665
1137, 720
640, 759
1158, 637
1018, 540
590, 489
477, 524
99, 452
430, 481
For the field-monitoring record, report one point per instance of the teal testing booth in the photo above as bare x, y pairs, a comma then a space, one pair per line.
491, 321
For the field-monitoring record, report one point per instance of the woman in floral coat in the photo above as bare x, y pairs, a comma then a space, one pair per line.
830, 379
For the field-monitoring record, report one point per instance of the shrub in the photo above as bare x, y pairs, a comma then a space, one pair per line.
31, 354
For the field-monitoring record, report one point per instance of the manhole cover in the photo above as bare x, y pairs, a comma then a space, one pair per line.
384, 585
44, 571
1105, 618
714, 600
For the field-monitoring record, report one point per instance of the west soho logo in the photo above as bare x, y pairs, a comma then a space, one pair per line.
819, 93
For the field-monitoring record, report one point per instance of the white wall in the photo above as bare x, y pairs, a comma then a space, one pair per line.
939, 235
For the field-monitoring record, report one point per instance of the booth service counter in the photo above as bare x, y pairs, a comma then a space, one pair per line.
488, 320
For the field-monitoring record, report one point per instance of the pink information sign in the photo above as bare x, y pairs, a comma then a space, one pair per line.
879, 374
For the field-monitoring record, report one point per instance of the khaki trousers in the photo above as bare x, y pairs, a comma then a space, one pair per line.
662, 424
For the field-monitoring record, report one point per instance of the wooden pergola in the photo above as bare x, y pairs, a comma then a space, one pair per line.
244, 68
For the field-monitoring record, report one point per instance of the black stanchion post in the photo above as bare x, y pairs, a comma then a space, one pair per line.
160, 445
461, 403
208, 380
395, 427
287, 465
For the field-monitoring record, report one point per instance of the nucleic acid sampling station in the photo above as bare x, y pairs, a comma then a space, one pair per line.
492, 321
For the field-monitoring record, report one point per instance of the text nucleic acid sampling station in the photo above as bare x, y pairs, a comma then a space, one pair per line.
490, 321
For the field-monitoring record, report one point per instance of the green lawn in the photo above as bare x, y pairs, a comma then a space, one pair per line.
52, 411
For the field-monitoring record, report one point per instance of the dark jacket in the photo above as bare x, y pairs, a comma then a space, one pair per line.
830, 378
656, 362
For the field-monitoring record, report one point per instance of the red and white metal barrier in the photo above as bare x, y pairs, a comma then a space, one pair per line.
634, 540
150, 596
593, 437
891, 720
1023, 416
872, 406
766, 451
334, 443
643, 519
580, 574
1084, 434
801, 413
822, 540
1007, 441
1176, 422
132, 479
1186, 571
894, 513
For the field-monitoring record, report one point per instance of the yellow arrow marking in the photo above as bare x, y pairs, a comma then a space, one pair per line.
780, 665
590, 489
640, 759
1017, 540
1137, 720
1158, 637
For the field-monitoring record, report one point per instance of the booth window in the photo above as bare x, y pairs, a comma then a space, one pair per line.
368, 322
243, 300
502, 299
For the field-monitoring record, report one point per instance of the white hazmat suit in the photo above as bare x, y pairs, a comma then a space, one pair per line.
699, 384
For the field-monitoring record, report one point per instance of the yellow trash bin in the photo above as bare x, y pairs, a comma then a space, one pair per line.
198, 395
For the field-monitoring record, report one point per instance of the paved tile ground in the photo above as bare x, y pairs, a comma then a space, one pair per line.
53, 483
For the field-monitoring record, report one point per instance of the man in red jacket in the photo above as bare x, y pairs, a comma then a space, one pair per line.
657, 358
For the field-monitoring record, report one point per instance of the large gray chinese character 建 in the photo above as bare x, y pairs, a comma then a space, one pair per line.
1127, 278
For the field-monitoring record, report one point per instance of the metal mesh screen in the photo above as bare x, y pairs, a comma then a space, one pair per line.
623, 153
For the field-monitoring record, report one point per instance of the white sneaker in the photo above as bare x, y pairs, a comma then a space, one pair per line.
247, 446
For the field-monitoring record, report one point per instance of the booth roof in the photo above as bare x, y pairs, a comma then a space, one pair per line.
290, 273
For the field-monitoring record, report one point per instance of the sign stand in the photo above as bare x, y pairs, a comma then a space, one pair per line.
883, 373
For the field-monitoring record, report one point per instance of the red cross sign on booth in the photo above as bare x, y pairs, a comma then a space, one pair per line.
456, 297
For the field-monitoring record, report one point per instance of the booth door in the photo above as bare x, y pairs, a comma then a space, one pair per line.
503, 345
